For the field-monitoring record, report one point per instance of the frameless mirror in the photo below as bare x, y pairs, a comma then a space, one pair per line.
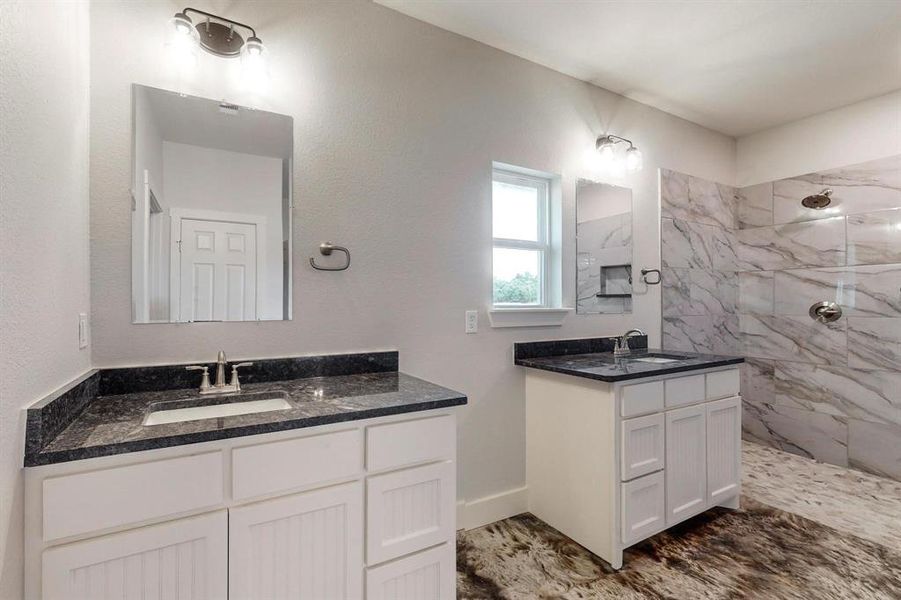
603, 248
211, 210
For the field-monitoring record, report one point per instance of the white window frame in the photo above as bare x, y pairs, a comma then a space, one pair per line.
542, 245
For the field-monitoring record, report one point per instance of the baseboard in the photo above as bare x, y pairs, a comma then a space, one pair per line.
489, 509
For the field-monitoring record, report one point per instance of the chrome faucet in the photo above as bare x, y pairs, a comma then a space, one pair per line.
621, 346
219, 387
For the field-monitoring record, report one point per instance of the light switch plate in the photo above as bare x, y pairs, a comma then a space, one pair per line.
472, 321
82, 330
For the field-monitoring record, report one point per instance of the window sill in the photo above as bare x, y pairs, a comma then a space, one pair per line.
527, 317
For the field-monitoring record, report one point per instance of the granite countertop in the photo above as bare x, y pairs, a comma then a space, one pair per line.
603, 366
114, 424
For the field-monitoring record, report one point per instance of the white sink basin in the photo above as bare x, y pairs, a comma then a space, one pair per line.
229, 409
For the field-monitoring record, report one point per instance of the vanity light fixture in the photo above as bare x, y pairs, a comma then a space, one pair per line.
606, 148
218, 36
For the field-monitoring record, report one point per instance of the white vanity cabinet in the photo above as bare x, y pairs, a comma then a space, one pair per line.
364, 509
611, 464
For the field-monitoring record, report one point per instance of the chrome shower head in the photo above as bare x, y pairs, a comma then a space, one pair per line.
818, 201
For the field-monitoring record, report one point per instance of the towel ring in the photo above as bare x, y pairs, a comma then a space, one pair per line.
326, 249
646, 272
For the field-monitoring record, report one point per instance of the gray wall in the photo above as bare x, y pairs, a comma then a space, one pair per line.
43, 230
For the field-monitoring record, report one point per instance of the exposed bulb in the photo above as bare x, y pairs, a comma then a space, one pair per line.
254, 64
182, 41
633, 159
608, 157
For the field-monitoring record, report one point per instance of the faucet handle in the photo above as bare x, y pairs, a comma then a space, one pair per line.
234, 381
205, 380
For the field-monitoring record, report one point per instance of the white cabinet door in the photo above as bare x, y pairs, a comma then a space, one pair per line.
642, 446
428, 575
183, 559
643, 510
305, 546
723, 449
686, 463
410, 510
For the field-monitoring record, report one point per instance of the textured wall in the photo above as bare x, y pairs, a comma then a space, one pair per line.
43, 230
852, 134
396, 125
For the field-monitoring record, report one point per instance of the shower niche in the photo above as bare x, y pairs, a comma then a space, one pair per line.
603, 248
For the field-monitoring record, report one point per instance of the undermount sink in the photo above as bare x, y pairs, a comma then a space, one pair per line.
209, 408
657, 359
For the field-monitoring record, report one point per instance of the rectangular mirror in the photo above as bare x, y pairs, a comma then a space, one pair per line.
603, 248
211, 210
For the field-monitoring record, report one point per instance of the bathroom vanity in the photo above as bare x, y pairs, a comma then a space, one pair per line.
621, 448
348, 493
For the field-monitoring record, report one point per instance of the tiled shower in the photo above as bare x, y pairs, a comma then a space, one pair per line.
741, 270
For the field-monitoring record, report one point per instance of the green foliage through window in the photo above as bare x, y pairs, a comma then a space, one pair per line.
521, 289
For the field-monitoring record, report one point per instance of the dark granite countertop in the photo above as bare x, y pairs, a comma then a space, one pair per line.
114, 424
603, 366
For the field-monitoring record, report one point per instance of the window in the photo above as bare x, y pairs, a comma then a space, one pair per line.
521, 232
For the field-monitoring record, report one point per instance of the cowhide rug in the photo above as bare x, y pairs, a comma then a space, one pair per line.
757, 552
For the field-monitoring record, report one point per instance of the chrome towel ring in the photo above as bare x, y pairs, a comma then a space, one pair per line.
646, 272
326, 249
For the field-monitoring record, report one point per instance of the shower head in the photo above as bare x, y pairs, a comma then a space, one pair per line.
818, 201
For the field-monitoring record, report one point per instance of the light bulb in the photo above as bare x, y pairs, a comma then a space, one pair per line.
633, 159
608, 156
254, 64
182, 41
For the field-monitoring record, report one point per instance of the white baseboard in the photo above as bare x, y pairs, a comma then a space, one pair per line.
489, 509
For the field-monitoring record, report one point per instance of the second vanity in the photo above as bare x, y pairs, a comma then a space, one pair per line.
350, 492
621, 448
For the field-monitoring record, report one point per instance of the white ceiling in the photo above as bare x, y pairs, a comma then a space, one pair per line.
202, 122
736, 66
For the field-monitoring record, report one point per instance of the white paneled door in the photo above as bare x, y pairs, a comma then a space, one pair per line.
217, 271
303, 547
180, 560
723, 449
686, 463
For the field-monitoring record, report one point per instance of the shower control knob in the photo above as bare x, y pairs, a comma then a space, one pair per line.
825, 312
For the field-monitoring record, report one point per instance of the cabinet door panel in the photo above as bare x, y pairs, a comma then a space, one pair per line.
183, 559
723, 449
305, 546
686, 463
428, 575
642, 446
409, 510
643, 510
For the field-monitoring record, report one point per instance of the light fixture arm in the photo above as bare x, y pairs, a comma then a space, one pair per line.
188, 9
611, 139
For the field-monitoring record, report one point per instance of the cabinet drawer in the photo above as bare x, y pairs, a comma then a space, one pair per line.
723, 384
641, 398
97, 500
409, 510
429, 575
410, 442
643, 508
287, 465
684, 390
643, 451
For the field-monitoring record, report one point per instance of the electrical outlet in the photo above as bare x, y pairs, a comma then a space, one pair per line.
82, 330
472, 321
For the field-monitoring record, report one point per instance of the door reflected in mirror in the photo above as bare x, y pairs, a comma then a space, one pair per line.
603, 248
211, 211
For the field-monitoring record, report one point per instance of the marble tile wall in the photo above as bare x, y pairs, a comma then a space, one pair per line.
741, 269
700, 283
827, 391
